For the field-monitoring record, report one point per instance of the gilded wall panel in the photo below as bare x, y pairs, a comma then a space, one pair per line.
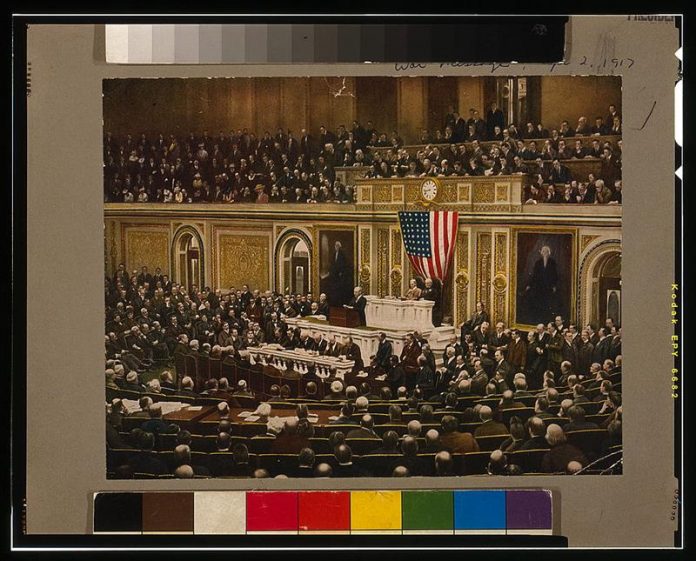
243, 259
501, 192
464, 192
484, 193
398, 193
381, 193
449, 193
146, 248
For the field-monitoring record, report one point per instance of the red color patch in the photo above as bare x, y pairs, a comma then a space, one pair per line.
271, 511
324, 510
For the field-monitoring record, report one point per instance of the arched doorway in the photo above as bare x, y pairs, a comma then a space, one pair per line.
293, 264
608, 301
600, 283
188, 258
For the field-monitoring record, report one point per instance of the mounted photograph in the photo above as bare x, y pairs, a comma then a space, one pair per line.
362, 276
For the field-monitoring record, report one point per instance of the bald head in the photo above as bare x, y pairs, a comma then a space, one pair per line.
409, 446
536, 427
485, 413
414, 428
443, 463
323, 470
184, 472
554, 435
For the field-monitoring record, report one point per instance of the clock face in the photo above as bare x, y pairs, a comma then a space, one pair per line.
429, 189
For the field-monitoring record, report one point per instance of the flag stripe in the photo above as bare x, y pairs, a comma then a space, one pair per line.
429, 239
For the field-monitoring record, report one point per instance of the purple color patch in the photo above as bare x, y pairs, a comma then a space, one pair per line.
529, 510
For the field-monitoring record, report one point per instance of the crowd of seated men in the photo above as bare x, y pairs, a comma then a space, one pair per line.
241, 167
497, 396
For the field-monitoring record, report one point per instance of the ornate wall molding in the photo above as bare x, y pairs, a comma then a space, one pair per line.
483, 268
365, 259
500, 281
586, 240
461, 279
382, 261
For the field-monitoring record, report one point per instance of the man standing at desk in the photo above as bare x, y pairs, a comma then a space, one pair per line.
358, 303
432, 292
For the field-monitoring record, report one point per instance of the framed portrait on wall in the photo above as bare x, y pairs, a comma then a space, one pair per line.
544, 276
337, 260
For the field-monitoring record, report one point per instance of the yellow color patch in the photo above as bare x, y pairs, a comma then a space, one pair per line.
375, 510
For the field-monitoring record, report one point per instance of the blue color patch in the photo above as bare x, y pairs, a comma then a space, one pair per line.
479, 510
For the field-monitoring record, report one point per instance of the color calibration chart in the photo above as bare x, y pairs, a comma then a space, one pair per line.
445, 512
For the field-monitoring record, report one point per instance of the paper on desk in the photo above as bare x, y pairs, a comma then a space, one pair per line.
252, 418
172, 406
333, 418
195, 408
130, 405
244, 414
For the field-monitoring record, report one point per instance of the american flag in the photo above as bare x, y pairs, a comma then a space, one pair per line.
429, 238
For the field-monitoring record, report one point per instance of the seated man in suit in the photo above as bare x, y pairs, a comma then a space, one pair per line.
396, 375
560, 452
156, 425
335, 391
488, 426
345, 466
425, 379
182, 456
333, 348
537, 432
380, 360
409, 457
366, 429
358, 303
576, 416
352, 352
454, 441
413, 292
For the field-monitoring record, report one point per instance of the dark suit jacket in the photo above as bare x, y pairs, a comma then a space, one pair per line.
517, 354
557, 458
361, 432
506, 369
353, 353
491, 428
384, 351
458, 442
536, 443
359, 306
479, 382
409, 357
569, 353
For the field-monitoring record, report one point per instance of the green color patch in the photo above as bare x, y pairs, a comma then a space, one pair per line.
427, 510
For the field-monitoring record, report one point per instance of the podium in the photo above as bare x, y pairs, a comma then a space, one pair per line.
343, 317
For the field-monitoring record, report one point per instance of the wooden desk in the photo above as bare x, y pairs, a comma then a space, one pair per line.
343, 317
323, 414
186, 415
